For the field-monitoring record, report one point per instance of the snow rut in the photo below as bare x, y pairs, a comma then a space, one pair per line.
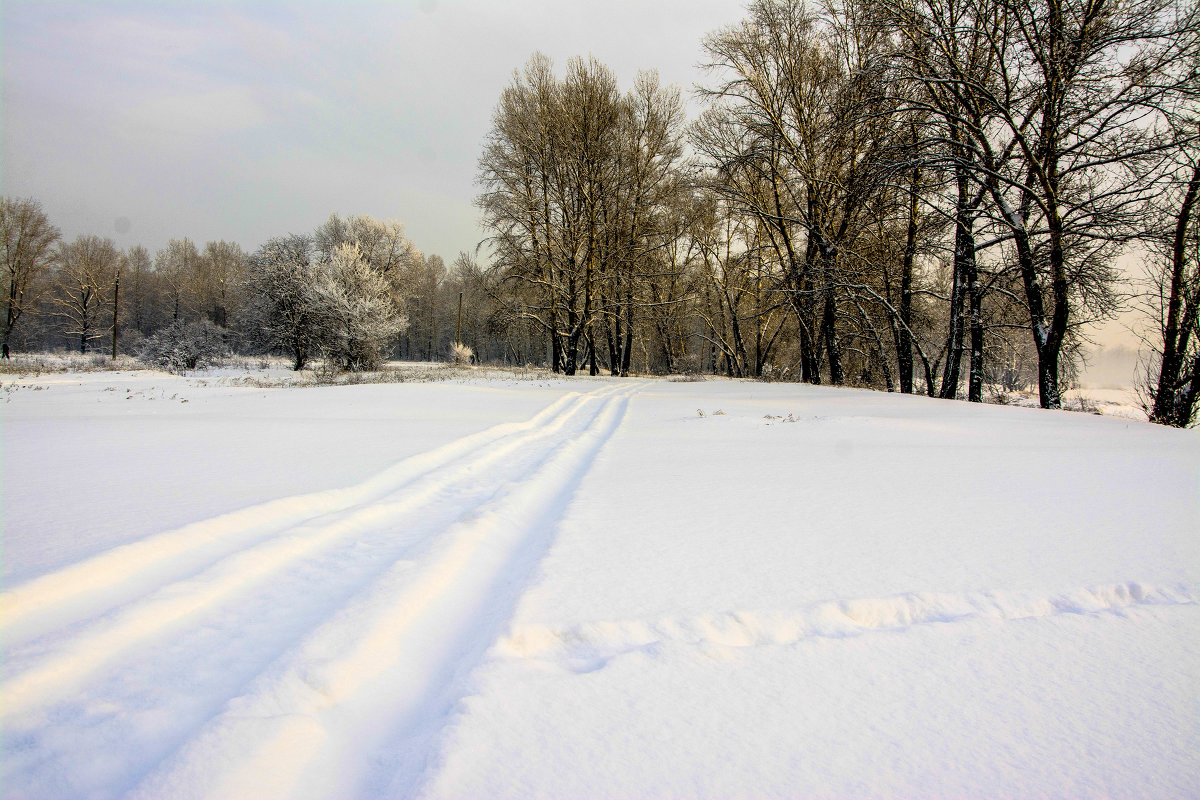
589, 646
126, 572
343, 625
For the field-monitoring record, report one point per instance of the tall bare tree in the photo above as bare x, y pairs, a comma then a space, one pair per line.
83, 283
795, 137
1053, 98
1175, 391
27, 242
577, 179
139, 291
220, 271
177, 267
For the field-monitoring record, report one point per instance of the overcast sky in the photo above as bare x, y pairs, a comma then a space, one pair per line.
144, 121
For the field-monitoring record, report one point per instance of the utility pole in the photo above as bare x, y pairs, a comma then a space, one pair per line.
116, 306
458, 332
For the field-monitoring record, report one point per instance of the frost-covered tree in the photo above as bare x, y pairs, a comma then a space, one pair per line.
336, 306
382, 244
354, 304
281, 312
186, 345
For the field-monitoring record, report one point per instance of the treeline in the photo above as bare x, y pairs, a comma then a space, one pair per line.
353, 292
922, 196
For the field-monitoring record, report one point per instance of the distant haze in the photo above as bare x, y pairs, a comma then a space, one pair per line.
144, 121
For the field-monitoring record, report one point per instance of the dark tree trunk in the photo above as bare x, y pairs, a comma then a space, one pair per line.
593, 369
627, 344
829, 332
904, 354
964, 254
975, 299
1175, 394
116, 312
555, 344
11, 316
810, 365
614, 353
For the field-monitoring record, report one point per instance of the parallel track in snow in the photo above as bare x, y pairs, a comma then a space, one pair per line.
308, 647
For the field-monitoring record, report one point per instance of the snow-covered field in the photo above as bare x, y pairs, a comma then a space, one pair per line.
522, 587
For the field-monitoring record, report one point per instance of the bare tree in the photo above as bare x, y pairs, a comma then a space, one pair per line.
423, 292
795, 137
138, 296
83, 279
27, 242
220, 271
1176, 389
576, 181
177, 267
1055, 101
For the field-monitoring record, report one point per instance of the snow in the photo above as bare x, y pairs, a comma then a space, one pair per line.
138, 453
503, 587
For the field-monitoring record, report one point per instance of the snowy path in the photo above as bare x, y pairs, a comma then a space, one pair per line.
308, 647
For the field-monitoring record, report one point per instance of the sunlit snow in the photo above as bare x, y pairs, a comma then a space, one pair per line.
512, 585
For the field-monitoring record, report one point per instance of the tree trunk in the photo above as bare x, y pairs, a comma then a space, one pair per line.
10, 317
964, 257
975, 298
116, 312
627, 345
829, 332
904, 354
1174, 400
593, 369
613, 338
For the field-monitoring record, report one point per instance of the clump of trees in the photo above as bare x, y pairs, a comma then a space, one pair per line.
343, 294
583, 186
322, 296
913, 196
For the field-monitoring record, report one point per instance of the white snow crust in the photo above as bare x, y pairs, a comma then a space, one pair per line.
589, 588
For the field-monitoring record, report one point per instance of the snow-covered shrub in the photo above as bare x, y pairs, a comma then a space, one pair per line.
461, 354
181, 346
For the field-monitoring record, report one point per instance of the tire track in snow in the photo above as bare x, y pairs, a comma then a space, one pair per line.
104, 581
274, 590
174, 605
589, 646
358, 707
